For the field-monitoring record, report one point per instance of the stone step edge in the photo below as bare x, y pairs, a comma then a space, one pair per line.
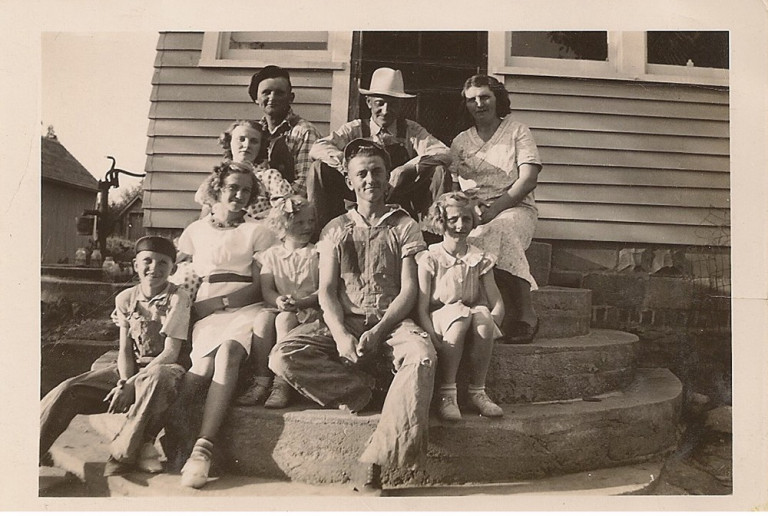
597, 337
82, 449
620, 480
106, 425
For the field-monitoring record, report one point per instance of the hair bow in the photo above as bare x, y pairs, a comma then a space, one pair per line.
286, 204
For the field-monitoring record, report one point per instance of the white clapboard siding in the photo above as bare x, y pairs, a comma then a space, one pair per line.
191, 106
624, 161
202, 128
632, 233
609, 123
577, 174
628, 161
620, 106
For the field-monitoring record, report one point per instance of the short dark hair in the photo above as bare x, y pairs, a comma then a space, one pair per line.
268, 72
156, 244
364, 147
503, 104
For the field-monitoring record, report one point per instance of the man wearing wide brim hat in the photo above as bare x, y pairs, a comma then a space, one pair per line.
419, 160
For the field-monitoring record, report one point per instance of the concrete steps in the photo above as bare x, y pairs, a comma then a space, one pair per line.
603, 482
533, 440
57, 482
560, 369
607, 434
562, 311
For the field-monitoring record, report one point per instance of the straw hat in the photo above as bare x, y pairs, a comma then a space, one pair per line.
387, 82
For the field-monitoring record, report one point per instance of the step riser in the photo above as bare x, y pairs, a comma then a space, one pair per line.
562, 369
562, 312
531, 441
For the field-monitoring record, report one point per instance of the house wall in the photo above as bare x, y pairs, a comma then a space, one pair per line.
625, 161
628, 161
60, 206
191, 106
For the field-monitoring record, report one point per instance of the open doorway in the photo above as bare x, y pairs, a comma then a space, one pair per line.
435, 65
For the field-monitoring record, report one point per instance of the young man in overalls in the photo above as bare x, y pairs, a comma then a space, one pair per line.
368, 287
420, 161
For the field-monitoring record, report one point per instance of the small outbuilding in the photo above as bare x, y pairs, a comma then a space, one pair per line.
67, 189
129, 221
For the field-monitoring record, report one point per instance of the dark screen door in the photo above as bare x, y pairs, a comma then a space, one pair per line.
435, 65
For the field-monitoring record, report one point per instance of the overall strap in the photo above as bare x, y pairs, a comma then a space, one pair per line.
402, 128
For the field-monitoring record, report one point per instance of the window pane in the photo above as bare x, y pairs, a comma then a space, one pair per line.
309, 40
587, 45
689, 48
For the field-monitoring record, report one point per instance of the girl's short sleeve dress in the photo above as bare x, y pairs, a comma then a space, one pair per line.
456, 284
296, 273
488, 170
217, 250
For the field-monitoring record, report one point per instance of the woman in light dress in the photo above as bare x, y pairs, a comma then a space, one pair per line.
497, 160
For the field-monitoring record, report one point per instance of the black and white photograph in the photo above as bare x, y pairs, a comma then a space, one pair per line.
389, 266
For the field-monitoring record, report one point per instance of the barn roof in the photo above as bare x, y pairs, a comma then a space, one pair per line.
59, 165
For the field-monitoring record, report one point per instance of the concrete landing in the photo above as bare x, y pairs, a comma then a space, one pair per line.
56, 482
533, 440
603, 482
551, 369
562, 311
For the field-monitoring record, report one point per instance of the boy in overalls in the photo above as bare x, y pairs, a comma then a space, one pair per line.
153, 317
419, 161
368, 287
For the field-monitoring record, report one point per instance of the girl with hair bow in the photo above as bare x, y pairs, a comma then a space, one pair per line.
289, 282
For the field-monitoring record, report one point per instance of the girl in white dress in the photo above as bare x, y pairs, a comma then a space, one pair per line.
290, 276
459, 304
221, 247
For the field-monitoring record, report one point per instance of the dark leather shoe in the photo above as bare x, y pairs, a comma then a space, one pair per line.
524, 333
369, 480
115, 468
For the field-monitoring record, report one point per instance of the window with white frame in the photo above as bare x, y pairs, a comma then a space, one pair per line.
666, 56
295, 49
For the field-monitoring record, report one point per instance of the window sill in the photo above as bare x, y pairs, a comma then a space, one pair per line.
260, 63
720, 81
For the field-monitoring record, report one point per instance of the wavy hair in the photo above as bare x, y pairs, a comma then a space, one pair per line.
435, 218
284, 210
503, 104
225, 138
211, 187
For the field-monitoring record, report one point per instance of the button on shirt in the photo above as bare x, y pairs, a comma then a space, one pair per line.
151, 320
370, 258
300, 135
418, 142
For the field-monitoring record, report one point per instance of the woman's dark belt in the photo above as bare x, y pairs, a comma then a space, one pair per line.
228, 277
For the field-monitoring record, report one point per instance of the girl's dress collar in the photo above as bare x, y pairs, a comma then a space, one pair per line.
218, 224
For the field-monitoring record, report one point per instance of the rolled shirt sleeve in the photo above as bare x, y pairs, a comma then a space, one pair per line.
330, 149
429, 150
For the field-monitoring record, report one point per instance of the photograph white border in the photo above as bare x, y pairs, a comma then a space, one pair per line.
23, 21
